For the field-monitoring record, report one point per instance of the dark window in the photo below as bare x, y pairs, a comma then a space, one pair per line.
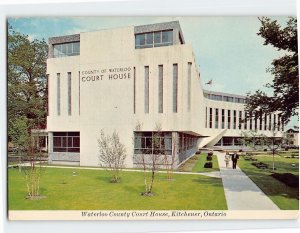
210, 117
153, 142
223, 119
245, 121
205, 117
216, 118
228, 119
66, 142
234, 119
240, 119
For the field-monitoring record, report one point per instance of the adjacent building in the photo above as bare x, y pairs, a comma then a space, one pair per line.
138, 80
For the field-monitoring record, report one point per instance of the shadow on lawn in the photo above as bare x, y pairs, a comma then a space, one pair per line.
274, 186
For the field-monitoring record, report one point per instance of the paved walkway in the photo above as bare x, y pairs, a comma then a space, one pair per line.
240, 191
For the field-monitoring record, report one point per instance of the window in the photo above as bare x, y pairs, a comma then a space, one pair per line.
146, 89
69, 93
260, 120
154, 39
245, 120
210, 117
250, 120
58, 93
216, 118
255, 120
270, 122
234, 119
274, 122
227, 141
223, 119
227, 98
175, 87
228, 119
160, 89
240, 119
153, 142
66, 49
265, 126
205, 117
66, 141
216, 97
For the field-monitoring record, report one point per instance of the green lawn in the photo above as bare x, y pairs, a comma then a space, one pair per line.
91, 190
196, 164
199, 166
284, 196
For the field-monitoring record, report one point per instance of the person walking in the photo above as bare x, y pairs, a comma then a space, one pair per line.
227, 159
234, 159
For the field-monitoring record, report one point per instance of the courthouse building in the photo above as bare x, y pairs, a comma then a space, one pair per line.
132, 80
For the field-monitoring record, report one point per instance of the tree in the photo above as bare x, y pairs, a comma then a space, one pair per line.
252, 139
151, 158
285, 84
112, 154
27, 98
27, 83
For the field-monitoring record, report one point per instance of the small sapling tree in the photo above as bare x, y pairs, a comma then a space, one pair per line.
112, 154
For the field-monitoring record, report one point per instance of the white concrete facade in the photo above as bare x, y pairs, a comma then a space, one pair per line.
105, 87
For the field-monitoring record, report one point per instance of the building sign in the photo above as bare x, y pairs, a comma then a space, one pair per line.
105, 74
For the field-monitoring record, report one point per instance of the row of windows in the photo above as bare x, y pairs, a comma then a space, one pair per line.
153, 143
160, 77
66, 49
239, 120
154, 39
237, 141
66, 141
225, 98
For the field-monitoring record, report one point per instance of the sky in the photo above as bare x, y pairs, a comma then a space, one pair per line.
228, 50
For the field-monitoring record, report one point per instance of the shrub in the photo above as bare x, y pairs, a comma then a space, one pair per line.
209, 158
208, 165
240, 150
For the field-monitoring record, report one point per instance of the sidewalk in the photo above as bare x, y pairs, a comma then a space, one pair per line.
240, 191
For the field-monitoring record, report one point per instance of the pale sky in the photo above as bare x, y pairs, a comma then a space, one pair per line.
227, 49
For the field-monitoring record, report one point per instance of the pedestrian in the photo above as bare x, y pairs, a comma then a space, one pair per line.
227, 158
234, 159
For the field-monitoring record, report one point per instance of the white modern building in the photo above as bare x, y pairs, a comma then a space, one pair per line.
132, 80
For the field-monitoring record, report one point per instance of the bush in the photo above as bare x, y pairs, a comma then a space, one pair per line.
240, 150
209, 158
287, 178
208, 165
260, 165
210, 154
198, 152
265, 149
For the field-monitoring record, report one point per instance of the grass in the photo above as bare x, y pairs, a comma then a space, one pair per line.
199, 166
284, 196
91, 190
196, 164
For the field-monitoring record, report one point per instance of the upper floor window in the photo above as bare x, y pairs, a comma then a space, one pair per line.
154, 39
66, 49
